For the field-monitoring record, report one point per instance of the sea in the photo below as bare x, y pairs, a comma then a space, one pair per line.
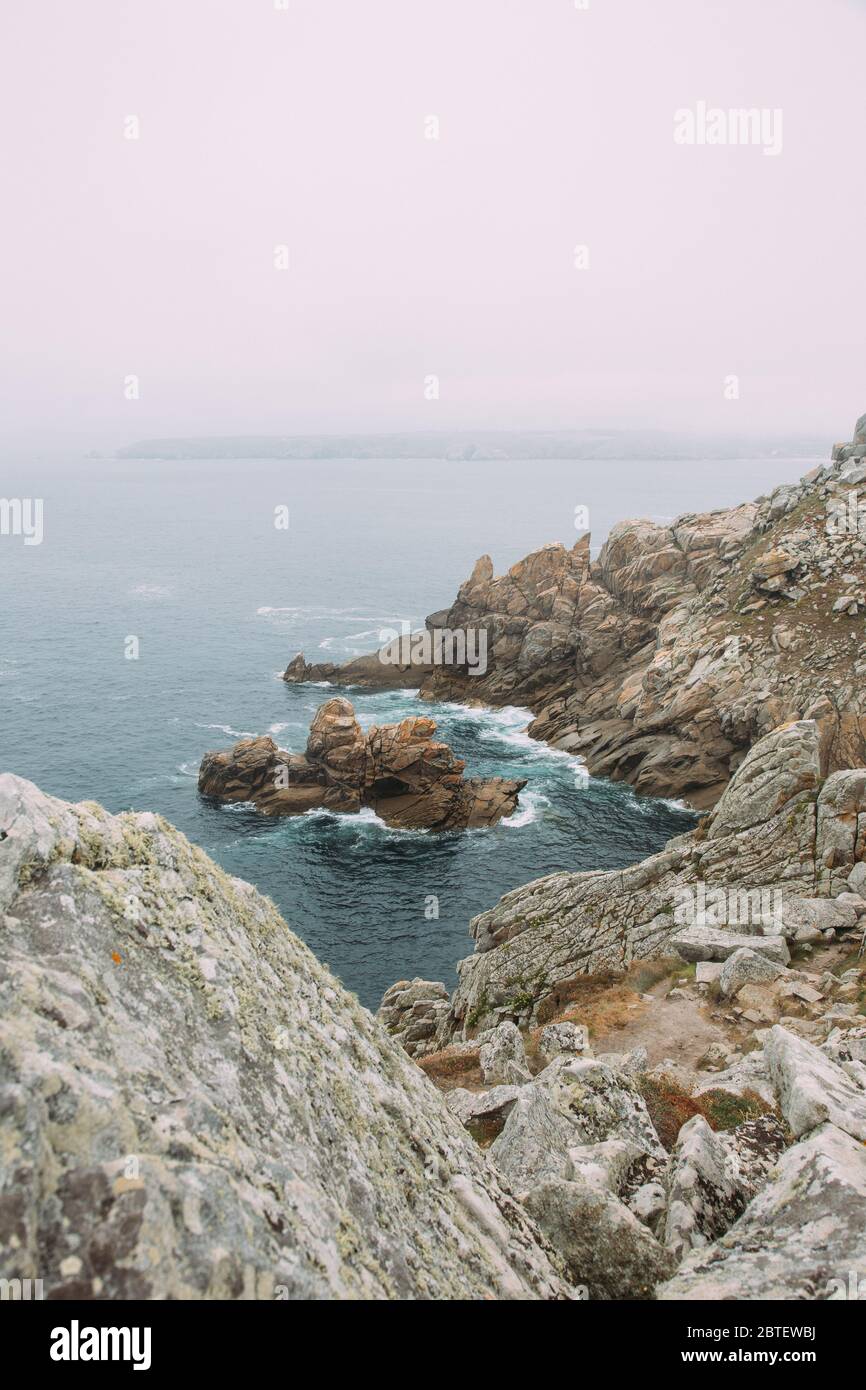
154, 620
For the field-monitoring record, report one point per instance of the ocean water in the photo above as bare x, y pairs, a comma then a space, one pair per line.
185, 557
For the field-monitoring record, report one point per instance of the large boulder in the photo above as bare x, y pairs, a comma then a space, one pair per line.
797, 1239
502, 1057
713, 944
747, 967
713, 1177
192, 1107
571, 1103
608, 1251
413, 1012
811, 1087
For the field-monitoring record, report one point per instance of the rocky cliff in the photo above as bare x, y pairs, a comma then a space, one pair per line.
193, 1107
398, 770
785, 832
665, 659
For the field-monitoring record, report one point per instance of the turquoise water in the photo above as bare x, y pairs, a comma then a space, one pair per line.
186, 558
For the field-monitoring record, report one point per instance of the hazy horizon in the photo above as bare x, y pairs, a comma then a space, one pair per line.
304, 136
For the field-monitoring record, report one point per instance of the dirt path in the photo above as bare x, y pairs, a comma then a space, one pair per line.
678, 1028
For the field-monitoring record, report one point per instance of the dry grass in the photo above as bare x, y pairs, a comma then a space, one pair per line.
449, 1068
670, 1107
609, 999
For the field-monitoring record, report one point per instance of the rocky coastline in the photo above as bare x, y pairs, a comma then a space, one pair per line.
649, 1083
663, 660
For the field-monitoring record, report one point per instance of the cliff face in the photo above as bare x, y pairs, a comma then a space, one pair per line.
783, 828
665, 659
193, 1107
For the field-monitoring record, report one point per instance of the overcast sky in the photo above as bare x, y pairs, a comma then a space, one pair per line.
412, 257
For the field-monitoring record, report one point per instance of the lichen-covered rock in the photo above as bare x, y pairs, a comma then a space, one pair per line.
572, 1102
606, 1164
607, 1250
748, 1075
502, 1057
561, 1039
712, 1177
797, 1239
483, 1113
747, 967
413, 1012
811, 1087
193, 1107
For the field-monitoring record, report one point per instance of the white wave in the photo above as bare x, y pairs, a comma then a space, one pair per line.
509, 725
277, 728
187, 770
365, 819
151, 591
530, 807
647, 805
227, 729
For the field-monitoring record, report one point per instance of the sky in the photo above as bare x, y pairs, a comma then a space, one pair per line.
426, 170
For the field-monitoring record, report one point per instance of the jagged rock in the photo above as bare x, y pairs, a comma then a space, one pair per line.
649, 1203
503, 1057
607, 1250
193, 1107
412, 1011
572, 1102
606, 1164
750, 1074
797, 1239
811, 1087
559, 1039
713, 1177
747, 967
483, 1113
704, 1198
648, 661
707, 943
397, 769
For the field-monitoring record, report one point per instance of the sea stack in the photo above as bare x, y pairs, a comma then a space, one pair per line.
398, 770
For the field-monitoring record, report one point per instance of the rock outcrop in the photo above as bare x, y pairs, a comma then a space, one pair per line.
662, 661
783, 834
801, 1237
193, 1107
398, 770
766, 1207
